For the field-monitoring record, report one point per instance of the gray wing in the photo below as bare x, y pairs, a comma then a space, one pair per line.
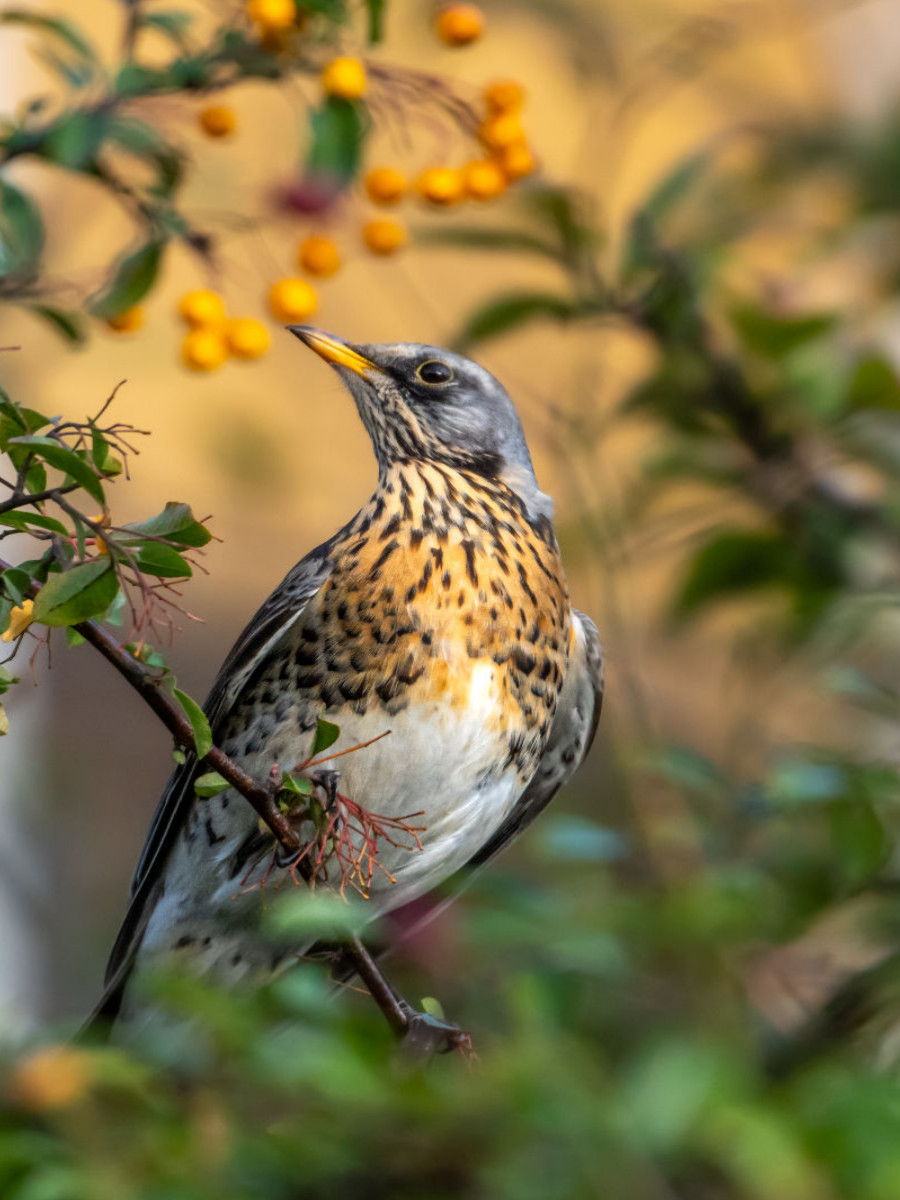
571, 736
269, 626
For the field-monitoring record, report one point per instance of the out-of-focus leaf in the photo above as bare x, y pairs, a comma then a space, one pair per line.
576, 839
132, 278
21, 231
78, 594
301, 913
170, 21
337, 133
63, 459
508, 312
4, 722
375, 10
136, 136
199, 723
732, 563
74, 139
176, 523
156, 558
210, 784
774, 336
327, 734
476, 237
874, 384
66, 31
69, 324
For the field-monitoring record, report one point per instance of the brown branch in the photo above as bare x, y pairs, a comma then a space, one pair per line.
21, 501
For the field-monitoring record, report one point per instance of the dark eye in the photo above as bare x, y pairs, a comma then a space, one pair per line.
435, 371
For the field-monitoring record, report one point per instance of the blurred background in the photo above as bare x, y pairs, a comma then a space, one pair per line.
693, 300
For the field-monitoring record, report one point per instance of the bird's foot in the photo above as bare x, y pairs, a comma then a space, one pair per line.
426, 1035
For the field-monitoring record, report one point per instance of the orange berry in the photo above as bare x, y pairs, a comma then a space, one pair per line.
272, 15
460, 24
204, 349
505, 95
344, 78
247, 338
441, 185
319, 255
202, 308
385, 185
293, 299
484, 179
218, 120
127, 321
50, 1078
517, 161
502, 130
383, 236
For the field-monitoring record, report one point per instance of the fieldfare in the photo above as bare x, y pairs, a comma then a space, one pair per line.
439, 613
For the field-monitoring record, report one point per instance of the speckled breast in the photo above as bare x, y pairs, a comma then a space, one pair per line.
443, 594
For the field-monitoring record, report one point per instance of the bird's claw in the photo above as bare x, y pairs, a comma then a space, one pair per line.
427, 1035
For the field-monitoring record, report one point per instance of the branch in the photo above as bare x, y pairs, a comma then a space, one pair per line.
22, 501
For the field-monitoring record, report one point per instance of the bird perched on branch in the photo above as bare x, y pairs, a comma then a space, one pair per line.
436, 628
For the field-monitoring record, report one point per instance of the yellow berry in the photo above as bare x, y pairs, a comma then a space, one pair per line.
344, 78
293, 299
204, 349
202, 308
272, 15
484, 179
460, 24
517, 161
50, 1078
505, 95
383, 236
247, 338
319, 255
441, 185
218, 120
127, 321
502, 130
385, 185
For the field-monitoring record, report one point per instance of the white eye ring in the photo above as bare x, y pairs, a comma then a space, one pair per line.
435, 373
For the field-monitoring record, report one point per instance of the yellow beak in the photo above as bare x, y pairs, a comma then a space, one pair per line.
333, 349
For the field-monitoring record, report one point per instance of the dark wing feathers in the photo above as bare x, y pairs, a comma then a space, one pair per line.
271, 623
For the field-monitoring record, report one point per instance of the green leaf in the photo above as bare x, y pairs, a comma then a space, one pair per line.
299, 787
4, 722
171, 22
73, 140
375, 10
210, 784
7, 679
21, 520
337, 132
16, 583
874, 384
104, 460
69, 324
508, 312
66, 31
66, 460
326, 735
179, 756
21, 231
732, 563
483, 237
73, 637
132, 278
78, 594
156, 558
199, 723
774, 336
176, 523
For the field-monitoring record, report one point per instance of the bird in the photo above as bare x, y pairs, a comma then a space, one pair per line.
434, 631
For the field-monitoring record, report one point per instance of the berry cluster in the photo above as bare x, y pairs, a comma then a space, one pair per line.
505, 156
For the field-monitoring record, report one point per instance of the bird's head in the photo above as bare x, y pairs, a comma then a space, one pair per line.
427, 404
